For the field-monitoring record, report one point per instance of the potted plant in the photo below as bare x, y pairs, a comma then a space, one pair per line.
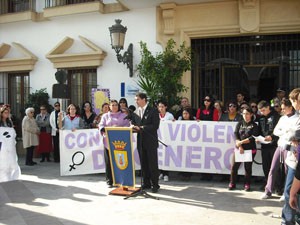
160, 75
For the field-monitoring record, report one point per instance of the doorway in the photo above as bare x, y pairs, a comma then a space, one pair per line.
256, 65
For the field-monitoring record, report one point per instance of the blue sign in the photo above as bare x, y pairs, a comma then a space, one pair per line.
121, 155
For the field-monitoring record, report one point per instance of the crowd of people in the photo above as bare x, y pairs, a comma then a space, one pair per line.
277, 121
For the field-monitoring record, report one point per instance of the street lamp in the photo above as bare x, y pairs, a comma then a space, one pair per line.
117, 36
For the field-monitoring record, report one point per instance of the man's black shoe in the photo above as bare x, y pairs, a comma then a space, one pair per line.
155, 189
146, 186
110, 185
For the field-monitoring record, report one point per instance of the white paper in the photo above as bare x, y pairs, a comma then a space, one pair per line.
246, 157
261, 139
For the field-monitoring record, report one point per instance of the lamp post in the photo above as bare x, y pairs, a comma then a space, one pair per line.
117, 38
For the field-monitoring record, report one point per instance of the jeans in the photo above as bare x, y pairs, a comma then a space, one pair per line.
288, 214
278, 157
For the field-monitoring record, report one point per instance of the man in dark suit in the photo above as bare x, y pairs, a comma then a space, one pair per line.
148, 141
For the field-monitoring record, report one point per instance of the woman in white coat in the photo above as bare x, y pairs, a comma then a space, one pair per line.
30, 133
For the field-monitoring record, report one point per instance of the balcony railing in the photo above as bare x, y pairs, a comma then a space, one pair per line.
54, 3
15, 6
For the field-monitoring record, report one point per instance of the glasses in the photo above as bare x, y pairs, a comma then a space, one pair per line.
232, 106
207, 100
276, 106
31, 112
56, 105
253, 106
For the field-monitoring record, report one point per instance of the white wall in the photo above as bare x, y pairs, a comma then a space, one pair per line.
41, 37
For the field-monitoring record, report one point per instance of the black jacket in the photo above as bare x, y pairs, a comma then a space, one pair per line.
150, 124
245, 130
267, 125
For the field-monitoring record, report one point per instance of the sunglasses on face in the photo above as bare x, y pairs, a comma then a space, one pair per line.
253, 106
232, 106
56, 105
207, 100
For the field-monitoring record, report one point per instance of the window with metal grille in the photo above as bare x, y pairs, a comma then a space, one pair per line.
256, 65
14, 6
14, 90
80, 83
18, 92
54, 3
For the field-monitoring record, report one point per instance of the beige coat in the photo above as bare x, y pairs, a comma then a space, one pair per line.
29, 131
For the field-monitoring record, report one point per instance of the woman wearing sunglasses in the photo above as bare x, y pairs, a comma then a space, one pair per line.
207, 111
232, 113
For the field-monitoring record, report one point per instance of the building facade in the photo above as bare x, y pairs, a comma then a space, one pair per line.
249, 45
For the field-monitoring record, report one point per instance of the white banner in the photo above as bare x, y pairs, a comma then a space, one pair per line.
191, 146
9, 168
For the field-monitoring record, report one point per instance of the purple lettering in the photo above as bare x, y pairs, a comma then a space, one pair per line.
183, 132
230, 134
98, 159
175, 157
227, 158
212, 155
81, 140
160, 154
219, 133
205, 138
193, 152
194, 133
94, 138
68, 142
173, 135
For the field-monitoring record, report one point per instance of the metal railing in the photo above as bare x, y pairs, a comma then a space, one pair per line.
54, 3
15, 6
